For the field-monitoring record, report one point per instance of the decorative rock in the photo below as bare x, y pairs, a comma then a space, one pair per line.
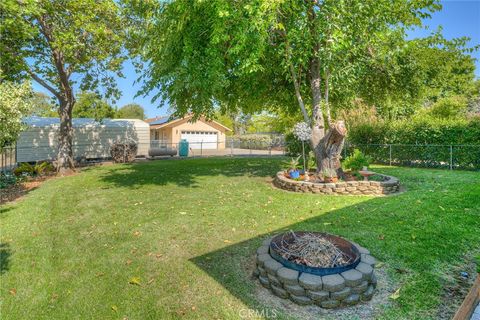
274, 280
367, 295
373, 280
352, 277
288, 276
310, 281
279, 292
262, 271
256, 272
360, 248
368, 259
330, 304
333, 282
262, 250
342, 294
352, 299
361, 288
295, 289
272, 266
318, 296
264, 281
262, 258
365, 269
301, 300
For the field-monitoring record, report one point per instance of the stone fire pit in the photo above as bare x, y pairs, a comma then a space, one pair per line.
390, 185
328, 287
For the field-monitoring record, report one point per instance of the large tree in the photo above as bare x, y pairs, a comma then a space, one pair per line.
42, 106
91, 105
60, 45
131, 111
260, 55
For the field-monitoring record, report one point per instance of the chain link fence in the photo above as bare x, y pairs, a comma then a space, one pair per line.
465, 157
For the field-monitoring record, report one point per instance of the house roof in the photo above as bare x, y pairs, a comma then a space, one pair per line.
167, 121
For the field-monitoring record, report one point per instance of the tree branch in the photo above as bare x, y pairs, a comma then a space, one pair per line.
44, 84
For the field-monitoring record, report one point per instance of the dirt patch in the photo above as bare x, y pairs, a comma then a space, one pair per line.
456, 285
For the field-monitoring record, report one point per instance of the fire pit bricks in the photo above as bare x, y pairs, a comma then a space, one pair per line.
389, 186
330, 291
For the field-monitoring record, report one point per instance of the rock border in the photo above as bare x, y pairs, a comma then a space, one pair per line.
329, 292
390, 186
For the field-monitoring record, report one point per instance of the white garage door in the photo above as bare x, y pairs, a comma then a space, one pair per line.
201, 139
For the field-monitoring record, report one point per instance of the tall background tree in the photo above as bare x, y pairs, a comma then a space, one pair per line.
131, 111
91, 105
61, 44
43, 106
251, 56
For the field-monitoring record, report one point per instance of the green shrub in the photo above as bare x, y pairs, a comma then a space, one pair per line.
293, 146
24, 168
40, 168
7, 180
255, 141
356, 161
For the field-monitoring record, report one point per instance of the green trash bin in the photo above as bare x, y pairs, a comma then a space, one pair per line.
183, 148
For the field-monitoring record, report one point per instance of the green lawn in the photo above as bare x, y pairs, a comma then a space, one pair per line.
176, 239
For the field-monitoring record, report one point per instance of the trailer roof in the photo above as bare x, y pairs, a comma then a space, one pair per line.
81, 122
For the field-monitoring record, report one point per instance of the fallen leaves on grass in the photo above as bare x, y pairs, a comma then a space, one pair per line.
115, 308
395, 295
13, 292
135, 281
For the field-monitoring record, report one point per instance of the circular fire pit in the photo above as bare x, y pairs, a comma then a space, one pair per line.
316, 268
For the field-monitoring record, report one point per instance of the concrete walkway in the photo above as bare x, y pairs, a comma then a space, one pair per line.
476, 313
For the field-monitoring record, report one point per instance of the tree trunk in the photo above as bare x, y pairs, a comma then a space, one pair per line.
65, 163
328, 152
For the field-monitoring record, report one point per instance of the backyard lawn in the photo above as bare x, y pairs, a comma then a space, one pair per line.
176, 239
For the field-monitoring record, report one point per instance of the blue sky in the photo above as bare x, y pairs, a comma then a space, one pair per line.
458, 18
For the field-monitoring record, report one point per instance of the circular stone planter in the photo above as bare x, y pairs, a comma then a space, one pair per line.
390, 185
337, 289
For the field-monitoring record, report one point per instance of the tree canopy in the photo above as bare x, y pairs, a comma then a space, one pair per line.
91, 105
42, 105
15, 104
131, 111
60, 44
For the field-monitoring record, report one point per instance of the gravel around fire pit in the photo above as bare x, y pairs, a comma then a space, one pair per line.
313, 250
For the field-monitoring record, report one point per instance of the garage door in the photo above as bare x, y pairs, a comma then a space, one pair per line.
200, 139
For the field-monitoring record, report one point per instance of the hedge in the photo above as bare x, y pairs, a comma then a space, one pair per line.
425, 142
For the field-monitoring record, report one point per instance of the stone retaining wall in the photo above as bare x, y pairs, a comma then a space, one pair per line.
331, 291
389, 186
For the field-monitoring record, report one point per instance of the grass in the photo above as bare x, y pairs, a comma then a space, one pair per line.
172, 239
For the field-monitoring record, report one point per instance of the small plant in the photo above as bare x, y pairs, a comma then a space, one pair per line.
43, 168
293, 164
24, 169
310, 161
7, 180
356, 161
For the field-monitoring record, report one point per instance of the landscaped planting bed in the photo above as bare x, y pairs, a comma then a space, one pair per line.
390, 185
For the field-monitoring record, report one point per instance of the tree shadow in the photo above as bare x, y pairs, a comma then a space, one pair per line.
5, 254
390, 227
185, 172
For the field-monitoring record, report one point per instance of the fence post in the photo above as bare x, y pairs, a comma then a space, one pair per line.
390, 154
201, 148
250, 146
231, 147
451, 157
270, 150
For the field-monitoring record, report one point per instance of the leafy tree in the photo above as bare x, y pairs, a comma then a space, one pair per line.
15, 103
264, 55
43, 106
60, 43
91, 105
131, 111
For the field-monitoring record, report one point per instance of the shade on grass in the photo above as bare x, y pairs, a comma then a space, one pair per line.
172, 239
